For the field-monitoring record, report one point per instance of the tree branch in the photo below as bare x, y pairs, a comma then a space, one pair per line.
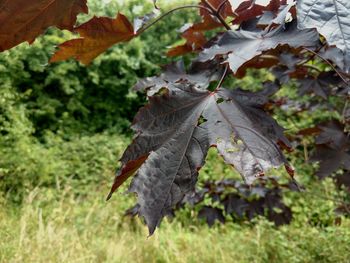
170, 12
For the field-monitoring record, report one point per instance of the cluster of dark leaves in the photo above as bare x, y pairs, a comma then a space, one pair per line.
240, 201
235, 122
332, 154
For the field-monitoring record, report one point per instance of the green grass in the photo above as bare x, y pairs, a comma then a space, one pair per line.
70, 221
68, 229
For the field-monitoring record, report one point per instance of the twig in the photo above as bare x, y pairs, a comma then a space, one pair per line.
312, 57
330, 64
222, 78
170, 12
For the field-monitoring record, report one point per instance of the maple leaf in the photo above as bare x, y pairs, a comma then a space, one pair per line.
96, 36
242, 46
344, 179
22, 21
330, 17
337, 56
172, 143
195, 40
248, 10
320, 85
332, 150
209, 20
211, 214
199, 74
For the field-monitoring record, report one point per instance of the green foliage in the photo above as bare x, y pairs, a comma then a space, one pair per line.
78, 163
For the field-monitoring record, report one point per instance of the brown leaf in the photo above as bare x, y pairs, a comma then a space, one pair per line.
97, 35
195, 40
24, 20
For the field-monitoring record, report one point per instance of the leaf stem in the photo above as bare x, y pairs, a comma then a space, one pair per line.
330, 64
222, 78
312, 57
170, 12
217, 14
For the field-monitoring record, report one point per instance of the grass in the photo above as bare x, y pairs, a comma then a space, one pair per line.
72, 222
58, 227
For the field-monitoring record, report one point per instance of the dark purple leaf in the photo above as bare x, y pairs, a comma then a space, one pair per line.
337, 56
211, 214
321, 85
200, 74
235, 204
248, 10
172, 144
333, 149
242, 46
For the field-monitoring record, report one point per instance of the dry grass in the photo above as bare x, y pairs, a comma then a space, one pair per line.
66, 229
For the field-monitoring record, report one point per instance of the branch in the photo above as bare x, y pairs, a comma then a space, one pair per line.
146, 27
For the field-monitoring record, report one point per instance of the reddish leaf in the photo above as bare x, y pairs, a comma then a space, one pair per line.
97, 35
24, 20
195, 40
209, 21
249, 10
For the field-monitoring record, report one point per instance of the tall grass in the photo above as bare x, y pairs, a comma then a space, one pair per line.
58, 227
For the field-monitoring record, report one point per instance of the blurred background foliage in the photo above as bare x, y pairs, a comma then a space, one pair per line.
64, 126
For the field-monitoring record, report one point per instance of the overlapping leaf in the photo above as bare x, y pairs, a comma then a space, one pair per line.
22, 20
193, 34
96, 36
242, 46
195, 40
199, 74
211, 214
240, 201
321, 85
210, 21
174, 133
330, 17
248, 10
337, 56
333, 149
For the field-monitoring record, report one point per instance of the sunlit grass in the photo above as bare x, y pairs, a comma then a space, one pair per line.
68, 229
